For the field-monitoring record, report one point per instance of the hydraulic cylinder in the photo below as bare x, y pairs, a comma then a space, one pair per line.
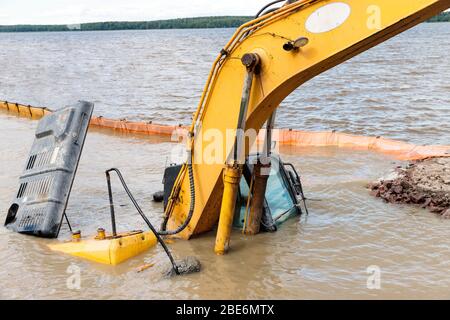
261, 175
231, 178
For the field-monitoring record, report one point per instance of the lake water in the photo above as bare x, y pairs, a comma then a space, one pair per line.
399, 90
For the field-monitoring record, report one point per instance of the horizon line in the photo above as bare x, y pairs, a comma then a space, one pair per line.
122, 21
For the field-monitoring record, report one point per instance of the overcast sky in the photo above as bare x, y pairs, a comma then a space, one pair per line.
79, 11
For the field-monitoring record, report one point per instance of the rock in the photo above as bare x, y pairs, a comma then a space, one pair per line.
425, 183
158, 196
427, 202
406, 185
417, 198
446, 214
398, 189
186, 266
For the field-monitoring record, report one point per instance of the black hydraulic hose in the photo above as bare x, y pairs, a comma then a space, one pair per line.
138, 208
267, 6
191, 208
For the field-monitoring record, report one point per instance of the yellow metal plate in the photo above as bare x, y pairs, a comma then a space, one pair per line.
109, 251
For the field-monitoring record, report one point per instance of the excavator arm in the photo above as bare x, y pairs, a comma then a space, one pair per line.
293, 44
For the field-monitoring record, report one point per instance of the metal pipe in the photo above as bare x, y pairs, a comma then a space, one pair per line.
267, 147
68, 222
251, 61
111, 204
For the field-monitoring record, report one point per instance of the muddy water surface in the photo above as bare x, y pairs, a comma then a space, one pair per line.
399, 90
323, 256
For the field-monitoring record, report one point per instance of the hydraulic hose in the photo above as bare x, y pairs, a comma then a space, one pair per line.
191, 208
138, 208
260, 12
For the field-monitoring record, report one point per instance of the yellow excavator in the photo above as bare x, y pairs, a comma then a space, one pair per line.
265, 60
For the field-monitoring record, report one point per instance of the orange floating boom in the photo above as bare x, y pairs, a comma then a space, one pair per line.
398, 149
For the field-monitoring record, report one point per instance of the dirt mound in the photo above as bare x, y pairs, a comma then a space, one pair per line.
425, 183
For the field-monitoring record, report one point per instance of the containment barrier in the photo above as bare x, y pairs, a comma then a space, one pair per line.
23, 110
398, 149
134, 127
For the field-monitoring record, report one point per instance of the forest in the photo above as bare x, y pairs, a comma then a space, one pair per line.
182, 23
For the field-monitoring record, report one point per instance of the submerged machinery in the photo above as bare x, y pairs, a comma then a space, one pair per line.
40, 204
223, 182
265, 60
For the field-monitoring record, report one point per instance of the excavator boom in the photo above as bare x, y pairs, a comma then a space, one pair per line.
293, 44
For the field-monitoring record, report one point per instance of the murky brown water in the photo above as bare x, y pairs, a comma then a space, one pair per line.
323, 256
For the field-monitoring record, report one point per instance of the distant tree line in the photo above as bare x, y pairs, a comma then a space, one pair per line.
184, 23
443, 17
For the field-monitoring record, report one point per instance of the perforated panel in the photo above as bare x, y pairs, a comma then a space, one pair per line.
50, 169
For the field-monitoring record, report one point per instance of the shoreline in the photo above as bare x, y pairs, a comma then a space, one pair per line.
219, 22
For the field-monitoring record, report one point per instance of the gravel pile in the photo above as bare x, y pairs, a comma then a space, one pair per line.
425, 183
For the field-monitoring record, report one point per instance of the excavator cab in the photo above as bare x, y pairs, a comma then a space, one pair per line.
282, 201
283, 197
